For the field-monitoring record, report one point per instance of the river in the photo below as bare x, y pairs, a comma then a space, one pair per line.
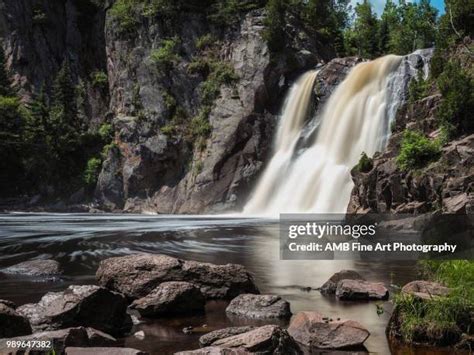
80, 241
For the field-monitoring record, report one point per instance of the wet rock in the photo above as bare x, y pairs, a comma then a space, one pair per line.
354, 290
103, 351
329, 287
269, 339
425, 289
314, 331
12, 323
209, 338
139, 335
259, 306
63, 338
137, 275
90, 306
168, 298
8, 303
35, 268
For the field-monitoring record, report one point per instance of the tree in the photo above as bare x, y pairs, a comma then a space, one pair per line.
274, 24
5, 83
389, 22
365, 30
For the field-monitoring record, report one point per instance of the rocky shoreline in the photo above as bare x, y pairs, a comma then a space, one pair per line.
93, 318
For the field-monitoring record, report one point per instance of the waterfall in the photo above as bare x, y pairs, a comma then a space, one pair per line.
355, 119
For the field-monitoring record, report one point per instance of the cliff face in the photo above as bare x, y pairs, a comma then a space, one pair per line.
158, 164
444, 184
38, 35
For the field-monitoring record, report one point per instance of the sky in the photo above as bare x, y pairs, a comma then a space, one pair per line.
379, 5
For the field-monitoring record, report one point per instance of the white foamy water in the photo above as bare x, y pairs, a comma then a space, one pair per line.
356, 119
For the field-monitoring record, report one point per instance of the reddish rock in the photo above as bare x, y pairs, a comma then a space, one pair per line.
353, 290
259, 306
425, 289
329, 287
315, 331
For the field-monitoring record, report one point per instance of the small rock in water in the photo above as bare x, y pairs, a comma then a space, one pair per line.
188, 330
135, 319
139, 335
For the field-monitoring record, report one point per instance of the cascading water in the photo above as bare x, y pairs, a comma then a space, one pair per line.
355, 119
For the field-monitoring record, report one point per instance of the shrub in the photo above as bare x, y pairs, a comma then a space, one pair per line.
106, 132
91, 173
205, 41
221, 73
418, 88
199, 65
457, 89
365, 164
123, 11
416, 150
166, 55
100, 80
200, 126
168, 129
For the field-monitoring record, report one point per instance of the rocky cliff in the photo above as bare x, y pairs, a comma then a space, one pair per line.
192, 101
444, 184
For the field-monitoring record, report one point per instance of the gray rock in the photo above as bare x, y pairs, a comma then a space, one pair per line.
329, 287
137, 275
12, 323
171, 298
425, 289
35, 268
63, 338
314, 331
354, 290
269, 339
103, 351
209, 338
259, 306
90, 306
8, 303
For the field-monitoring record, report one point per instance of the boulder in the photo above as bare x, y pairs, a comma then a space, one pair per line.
269, 339
425, 289
103, 351
315, 331
209, 338
63, 338
137, 275
353, 290
89, 306
35, 268
12, 323
259, 306
8, 303
169, 298
329, 287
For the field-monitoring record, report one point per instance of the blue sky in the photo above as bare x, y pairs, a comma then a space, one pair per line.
379, 5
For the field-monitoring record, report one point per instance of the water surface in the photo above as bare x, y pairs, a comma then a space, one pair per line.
80, 241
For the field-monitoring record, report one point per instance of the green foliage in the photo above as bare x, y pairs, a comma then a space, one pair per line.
92, 171
100, 80
457, 89
418, 88
227, 12
123, 12
221, 73
365, 30
365, 164
416, 150
441, 318
199, 65
5, 83
166, 54
274, 24
205, 41
199, 125
106, 132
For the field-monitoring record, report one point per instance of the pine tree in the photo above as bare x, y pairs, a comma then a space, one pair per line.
5, 83
389, 22
366, 28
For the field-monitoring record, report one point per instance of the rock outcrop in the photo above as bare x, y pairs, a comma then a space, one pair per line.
259, 306
170, 298
209, 338
318, 332
137, 275
354, 290
330, 286
12, 323
269, 339
46, 268
425, 289
89, 306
